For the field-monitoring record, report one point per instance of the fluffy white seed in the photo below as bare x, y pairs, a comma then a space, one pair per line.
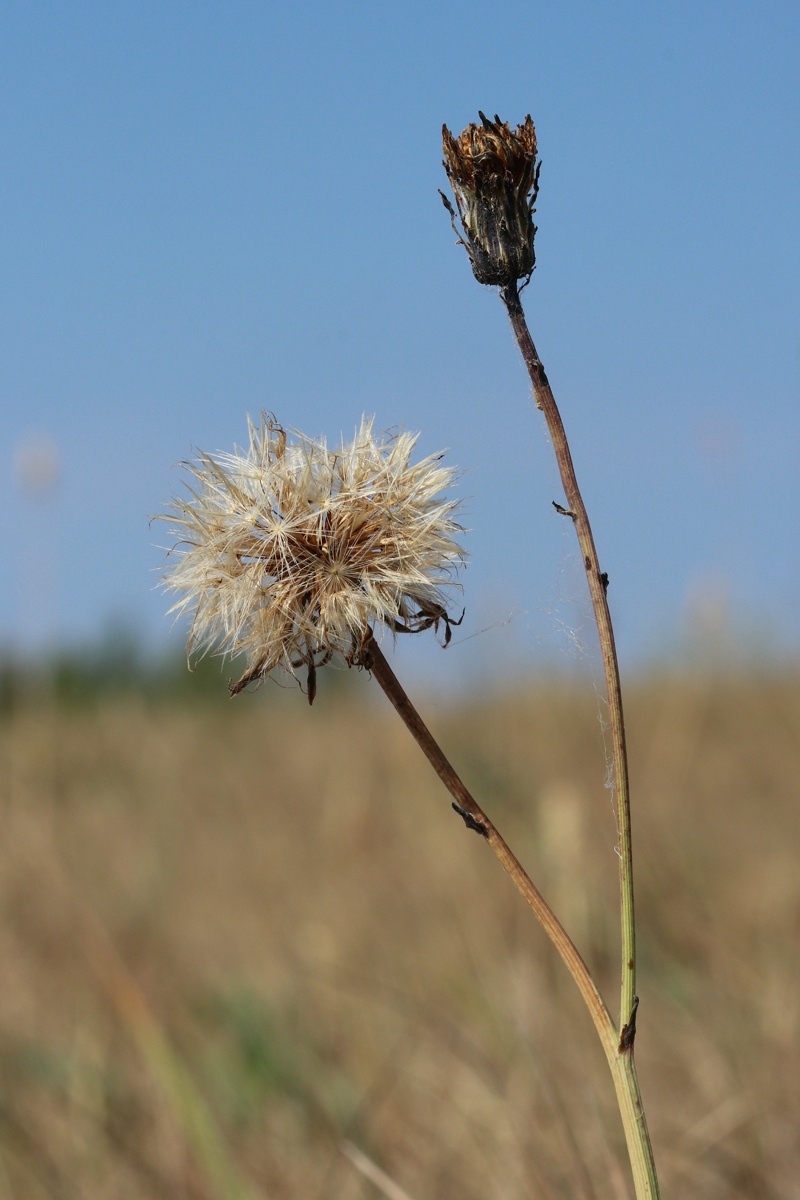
291, 553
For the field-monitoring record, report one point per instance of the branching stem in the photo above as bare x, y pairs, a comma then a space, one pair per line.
475, 818
618, 1048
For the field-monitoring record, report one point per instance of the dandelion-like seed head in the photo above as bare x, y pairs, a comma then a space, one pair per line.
494, 173
290, 553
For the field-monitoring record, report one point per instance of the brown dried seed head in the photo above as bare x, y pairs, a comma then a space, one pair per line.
494, 173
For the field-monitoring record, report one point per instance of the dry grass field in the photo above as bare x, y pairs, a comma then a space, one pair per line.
248, 950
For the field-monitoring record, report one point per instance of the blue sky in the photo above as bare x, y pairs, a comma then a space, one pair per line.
213, 208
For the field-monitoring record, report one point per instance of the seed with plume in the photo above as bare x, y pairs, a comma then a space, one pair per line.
494, 174
290, 553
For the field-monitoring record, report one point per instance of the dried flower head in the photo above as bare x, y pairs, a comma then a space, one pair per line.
494, 174
291, 553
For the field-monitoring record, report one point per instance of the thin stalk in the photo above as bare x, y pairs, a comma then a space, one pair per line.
598, 585
475, 818
622, 1066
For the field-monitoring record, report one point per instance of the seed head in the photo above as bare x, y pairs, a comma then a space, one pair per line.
494, 174
291, 553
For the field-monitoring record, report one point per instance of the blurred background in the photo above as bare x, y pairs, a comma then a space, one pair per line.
245, 949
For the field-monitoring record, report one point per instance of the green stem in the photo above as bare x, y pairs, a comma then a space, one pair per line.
634, 1122
624, 1075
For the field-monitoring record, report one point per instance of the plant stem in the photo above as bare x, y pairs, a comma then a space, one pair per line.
598, 584
622, 1066
475, 818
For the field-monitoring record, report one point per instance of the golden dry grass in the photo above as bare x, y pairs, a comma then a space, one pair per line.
236, 939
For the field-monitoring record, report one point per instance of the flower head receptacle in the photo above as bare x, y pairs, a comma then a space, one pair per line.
291, 553
494, 173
